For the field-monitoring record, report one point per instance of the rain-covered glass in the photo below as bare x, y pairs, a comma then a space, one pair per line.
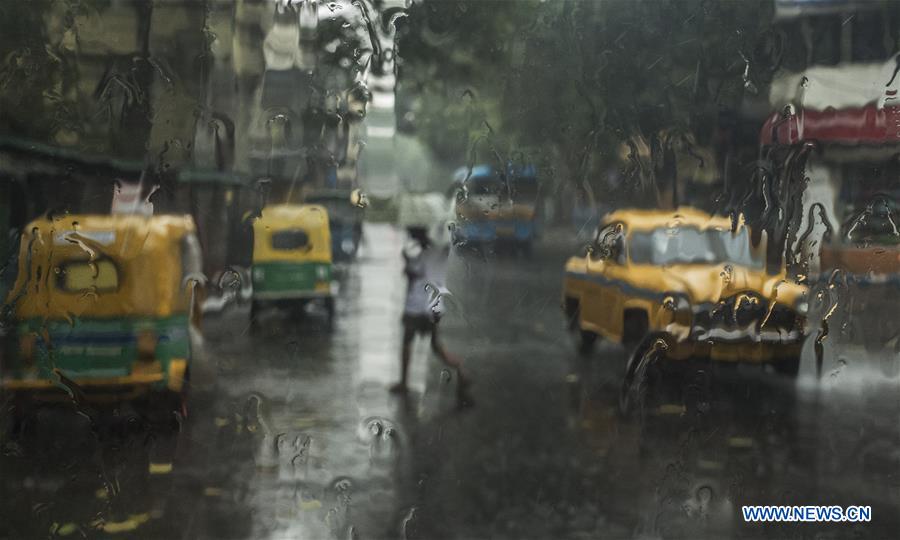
449, 269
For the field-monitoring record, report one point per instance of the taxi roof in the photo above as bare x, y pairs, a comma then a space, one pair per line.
647, 220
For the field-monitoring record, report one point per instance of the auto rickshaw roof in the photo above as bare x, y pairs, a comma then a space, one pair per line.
106, 226
648, 220
147, 251
287, 215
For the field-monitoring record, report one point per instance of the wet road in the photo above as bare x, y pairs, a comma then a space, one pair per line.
297, 437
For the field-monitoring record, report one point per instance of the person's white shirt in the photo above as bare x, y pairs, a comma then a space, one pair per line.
427, 269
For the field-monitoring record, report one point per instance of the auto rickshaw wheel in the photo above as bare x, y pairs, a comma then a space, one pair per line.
788, 367
526, 248
329, 311
570, 308
159, 410
254, 314
587, 339
17, 414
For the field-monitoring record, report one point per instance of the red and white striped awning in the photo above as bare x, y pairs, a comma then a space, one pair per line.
867, 125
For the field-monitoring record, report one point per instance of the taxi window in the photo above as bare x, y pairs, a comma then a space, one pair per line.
98, 276
290, 239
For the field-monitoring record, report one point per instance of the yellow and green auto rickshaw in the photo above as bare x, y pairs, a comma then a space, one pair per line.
104, 307
292, 262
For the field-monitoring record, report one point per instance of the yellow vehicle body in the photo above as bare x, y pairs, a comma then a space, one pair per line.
696, 304
292, 256
104, 301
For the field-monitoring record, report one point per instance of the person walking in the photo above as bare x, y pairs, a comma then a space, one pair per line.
425, 268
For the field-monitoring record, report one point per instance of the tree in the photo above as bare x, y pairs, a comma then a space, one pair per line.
584, 86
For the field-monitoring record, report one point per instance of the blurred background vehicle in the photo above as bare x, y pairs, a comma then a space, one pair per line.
105, 308
497, 207
691, 279
292, 262
345, 221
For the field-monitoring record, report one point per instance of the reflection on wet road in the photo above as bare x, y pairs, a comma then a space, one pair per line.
300, 438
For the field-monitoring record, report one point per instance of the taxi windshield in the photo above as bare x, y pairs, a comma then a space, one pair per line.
690, 245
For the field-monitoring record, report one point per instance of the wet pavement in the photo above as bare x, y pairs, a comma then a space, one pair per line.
297, 436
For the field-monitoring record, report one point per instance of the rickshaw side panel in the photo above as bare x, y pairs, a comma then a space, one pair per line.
282, 279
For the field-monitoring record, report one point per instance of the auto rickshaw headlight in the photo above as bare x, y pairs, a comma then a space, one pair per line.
146, 345
27, 344
802, 307
322, 272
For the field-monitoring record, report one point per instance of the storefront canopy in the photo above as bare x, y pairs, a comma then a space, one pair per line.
866, 125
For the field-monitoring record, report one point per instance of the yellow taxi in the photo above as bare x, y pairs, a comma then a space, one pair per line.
690, 277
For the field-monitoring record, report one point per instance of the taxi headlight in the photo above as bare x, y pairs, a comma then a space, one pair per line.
679, 306
146, 345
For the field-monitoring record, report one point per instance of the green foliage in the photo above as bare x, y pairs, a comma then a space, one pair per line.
571, 83
28, 69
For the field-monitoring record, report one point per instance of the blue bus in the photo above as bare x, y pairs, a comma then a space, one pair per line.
497, 206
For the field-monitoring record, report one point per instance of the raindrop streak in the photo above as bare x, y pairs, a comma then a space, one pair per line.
727, 274
819, 346
407, 521
772, 301
373, 35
